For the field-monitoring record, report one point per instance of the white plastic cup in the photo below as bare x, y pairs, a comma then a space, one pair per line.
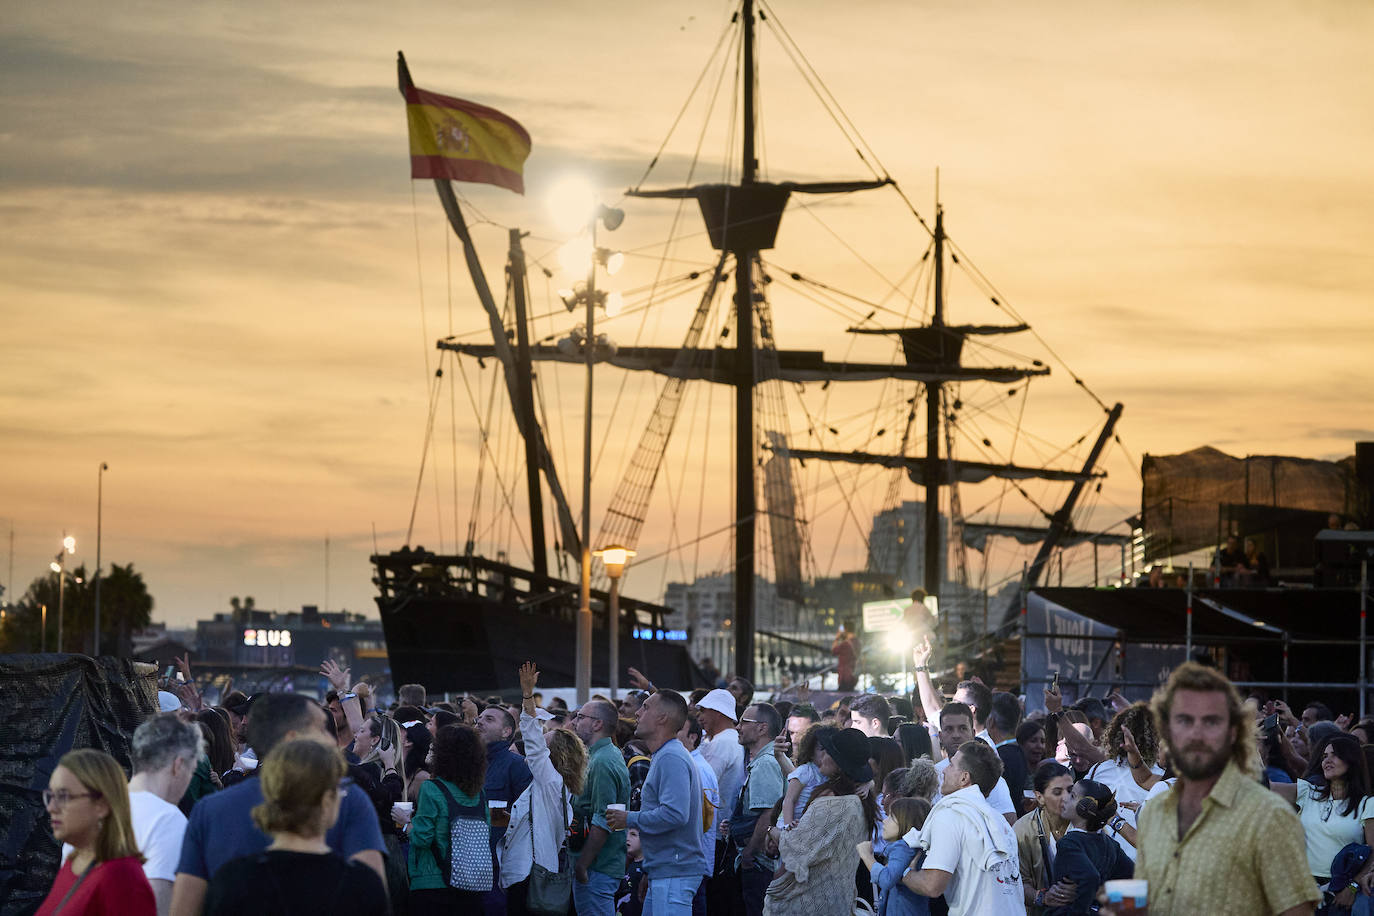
496, 804
1128, 895
407, 807
615, 807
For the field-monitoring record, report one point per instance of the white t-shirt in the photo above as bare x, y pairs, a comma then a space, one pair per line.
1116, 775
956, 848
1328, 830
158, 829
726, 756
1000, 799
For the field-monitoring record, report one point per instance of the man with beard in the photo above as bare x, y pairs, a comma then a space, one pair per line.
1218, 841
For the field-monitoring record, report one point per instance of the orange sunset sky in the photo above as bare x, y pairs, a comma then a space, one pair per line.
217, 276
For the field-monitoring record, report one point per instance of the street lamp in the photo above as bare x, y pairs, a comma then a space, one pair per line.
59, 566
99, 505
575, 203
614, 558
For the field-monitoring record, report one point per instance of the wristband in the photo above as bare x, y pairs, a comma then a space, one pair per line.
920, 669
530, 697
1040, 897
349, 696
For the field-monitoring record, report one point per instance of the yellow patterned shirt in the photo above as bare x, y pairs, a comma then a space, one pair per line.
1245, 853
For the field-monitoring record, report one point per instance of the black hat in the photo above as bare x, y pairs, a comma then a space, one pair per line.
237, 703
849, 749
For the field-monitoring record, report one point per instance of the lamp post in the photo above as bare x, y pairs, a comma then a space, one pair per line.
614, 558
575, 200
99, 505
59, 566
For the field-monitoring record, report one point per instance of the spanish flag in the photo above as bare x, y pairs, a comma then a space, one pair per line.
461, 140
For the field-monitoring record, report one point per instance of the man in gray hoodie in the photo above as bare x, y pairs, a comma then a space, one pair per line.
669, 815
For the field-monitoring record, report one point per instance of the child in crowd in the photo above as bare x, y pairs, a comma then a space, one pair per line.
802, 780
892, 790
1085, 855
627, 898
894, 899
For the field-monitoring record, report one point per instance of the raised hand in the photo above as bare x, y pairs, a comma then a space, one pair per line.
1343, 722
638, 679
1286, 714
184, 666
1118, 702
1054, 701
469, 708
1129, 746
922, 652
529, 677
337, 677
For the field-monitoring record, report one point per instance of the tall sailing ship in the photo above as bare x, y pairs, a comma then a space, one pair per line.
455, 620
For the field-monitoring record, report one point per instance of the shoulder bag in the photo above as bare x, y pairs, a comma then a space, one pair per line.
550, 891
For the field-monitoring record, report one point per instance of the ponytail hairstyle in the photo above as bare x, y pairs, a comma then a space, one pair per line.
1096, 804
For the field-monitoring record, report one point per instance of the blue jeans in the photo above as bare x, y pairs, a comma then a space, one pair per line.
597, 896
670, 896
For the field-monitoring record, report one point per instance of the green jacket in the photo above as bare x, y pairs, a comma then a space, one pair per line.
429, 834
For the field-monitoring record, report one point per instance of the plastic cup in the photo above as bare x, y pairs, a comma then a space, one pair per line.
1128, 895
496, 804
615, 807
407, 807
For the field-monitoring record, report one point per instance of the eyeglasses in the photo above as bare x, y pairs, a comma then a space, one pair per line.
62, 797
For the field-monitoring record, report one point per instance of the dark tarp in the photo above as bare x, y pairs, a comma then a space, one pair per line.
1182, 495
49, 705
1154, 614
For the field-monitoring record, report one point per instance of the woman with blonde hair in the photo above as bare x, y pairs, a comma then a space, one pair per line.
540, 816
298, 874
88, 802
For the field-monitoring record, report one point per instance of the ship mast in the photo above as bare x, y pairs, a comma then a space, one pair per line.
934, 569
745, 502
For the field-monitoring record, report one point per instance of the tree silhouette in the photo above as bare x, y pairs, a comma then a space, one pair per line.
125, 606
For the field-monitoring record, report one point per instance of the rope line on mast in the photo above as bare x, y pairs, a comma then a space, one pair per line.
727, 30
486, 452
424, 454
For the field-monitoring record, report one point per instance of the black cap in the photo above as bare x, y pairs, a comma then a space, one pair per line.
848, 747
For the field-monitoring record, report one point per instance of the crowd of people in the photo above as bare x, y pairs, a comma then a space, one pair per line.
715, 802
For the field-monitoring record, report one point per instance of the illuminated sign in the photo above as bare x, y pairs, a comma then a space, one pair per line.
652, 634
272, 638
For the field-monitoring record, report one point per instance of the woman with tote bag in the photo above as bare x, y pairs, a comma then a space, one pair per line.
534, 863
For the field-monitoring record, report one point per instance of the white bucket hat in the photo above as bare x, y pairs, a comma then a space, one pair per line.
722, 701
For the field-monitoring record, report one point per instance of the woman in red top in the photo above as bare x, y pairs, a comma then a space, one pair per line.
88, 801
